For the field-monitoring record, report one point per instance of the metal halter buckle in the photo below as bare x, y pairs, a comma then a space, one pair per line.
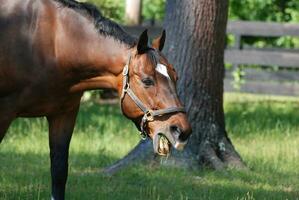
126, 87
143, 133
126, 70
149, 115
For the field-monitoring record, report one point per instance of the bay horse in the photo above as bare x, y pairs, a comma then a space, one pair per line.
51, 51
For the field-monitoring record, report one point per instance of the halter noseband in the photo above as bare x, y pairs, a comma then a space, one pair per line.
149, 114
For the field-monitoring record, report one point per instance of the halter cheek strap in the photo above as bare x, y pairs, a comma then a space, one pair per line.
149, 114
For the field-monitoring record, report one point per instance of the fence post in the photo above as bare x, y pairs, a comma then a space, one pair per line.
238, 46
133, 12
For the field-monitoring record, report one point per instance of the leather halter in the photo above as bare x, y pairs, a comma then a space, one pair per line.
149, 114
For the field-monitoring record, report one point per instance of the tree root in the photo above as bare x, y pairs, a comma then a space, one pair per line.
140, 153
220, 156
229, 155
143, 153
217, 156
180, 159
208, 157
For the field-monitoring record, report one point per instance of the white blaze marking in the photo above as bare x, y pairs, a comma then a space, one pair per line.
162, 69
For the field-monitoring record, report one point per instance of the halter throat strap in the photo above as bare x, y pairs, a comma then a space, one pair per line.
149, 114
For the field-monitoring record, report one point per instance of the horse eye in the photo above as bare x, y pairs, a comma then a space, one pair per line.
147, 81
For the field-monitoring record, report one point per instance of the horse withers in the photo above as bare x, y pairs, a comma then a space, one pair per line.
51, 51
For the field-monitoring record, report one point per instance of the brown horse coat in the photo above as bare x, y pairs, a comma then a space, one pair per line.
51, 51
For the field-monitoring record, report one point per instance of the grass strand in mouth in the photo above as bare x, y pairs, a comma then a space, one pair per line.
164, 145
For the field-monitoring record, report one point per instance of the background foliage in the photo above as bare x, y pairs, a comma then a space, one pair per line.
115, 9
249, 10
253, 10
270, 11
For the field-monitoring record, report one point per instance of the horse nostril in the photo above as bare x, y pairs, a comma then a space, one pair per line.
183, 137
174, 129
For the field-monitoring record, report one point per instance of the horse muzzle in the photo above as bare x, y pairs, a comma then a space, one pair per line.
167, 137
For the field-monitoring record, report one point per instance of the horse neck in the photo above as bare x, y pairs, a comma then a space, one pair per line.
94, 61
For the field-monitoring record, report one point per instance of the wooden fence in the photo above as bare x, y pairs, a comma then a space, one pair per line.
276, 71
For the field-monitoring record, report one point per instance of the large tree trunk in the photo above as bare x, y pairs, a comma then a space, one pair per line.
195, 45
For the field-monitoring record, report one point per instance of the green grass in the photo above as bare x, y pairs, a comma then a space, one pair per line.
265, 130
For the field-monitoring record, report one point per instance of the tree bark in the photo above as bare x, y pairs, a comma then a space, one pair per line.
195, 45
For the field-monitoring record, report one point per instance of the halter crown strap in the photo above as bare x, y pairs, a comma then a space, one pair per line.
149, 114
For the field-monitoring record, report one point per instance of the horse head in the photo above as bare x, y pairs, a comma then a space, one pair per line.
149, 97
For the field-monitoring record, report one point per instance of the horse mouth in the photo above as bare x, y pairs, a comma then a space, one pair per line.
163, 146
162, 143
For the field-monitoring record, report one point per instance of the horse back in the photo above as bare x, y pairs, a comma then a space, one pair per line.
29, 74
19, 51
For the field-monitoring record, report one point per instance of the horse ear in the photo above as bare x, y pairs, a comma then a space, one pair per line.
142, 45
158, 43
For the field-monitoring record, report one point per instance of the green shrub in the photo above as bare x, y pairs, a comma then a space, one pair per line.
115, 9
269, 11
153, 9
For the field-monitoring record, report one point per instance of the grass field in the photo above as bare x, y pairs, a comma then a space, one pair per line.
265, 130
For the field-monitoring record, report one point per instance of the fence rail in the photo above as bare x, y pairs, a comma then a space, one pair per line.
284, 80
262, 57
266, 29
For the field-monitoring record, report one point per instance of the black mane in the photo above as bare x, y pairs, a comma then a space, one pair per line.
104, 26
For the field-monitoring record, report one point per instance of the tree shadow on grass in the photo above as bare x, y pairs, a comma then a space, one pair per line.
27, 176
166, 183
